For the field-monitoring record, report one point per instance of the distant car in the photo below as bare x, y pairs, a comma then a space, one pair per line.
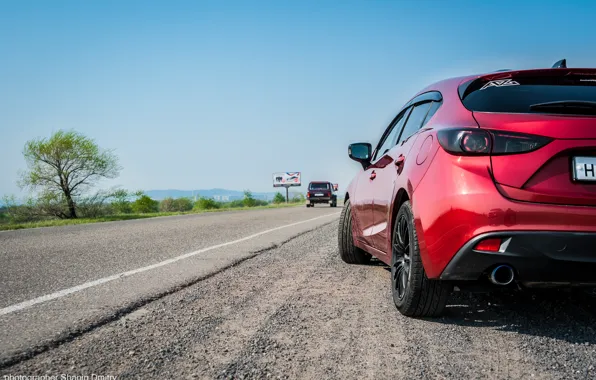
320, 192
486, 180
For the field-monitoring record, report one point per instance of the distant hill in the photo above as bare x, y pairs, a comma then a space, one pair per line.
217, 194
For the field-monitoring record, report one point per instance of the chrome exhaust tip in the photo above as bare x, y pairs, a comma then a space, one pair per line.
502, 275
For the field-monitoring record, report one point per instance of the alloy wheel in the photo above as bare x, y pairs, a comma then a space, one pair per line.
401, 268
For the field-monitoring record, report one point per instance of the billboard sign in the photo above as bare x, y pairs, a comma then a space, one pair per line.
286, 179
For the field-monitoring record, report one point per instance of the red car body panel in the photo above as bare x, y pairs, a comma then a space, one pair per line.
471, 205
456, 197
369, 198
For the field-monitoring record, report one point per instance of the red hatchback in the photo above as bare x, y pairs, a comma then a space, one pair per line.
484, 180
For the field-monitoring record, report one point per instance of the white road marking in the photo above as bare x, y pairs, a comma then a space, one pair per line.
74, 289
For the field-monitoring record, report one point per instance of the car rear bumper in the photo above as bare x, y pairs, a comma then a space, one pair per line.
457, 202
537, 258
319, 199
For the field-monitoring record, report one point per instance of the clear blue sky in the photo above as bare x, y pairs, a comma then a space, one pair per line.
202, 94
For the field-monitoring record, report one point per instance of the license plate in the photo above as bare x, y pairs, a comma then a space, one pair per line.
584, 168
318, 195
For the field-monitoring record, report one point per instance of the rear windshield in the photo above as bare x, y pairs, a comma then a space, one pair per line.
319, 186
518, 94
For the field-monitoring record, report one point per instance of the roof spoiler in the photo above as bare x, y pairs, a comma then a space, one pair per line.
463, 89
561, 64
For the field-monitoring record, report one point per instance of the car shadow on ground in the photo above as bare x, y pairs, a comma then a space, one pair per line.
559, 314
374, 262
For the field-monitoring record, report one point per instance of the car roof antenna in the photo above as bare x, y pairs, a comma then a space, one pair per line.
562, 64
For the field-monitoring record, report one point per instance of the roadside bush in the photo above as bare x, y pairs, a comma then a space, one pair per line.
235, 203
120, 201
279, 198
182, 204
53, 205
95, 206
248, 200
298, 198
145, 205
94, 210
121, 207
206, 204
46, 206
239, 203
175, 205
166, 205
22, 213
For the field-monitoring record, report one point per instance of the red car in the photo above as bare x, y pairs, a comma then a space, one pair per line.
482, 181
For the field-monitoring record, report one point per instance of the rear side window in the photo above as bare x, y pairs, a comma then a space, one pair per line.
518, 94
415, 120
433, 108
391, 136
319, 186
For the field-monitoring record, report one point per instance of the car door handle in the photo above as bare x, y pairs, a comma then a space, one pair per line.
399, 163
373, 175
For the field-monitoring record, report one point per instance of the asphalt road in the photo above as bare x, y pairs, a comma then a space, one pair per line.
297, 311
58, 282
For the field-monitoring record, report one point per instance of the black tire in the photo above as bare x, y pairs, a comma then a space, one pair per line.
348, 252
413, 293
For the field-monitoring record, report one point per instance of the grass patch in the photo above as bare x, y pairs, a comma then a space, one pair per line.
112, 218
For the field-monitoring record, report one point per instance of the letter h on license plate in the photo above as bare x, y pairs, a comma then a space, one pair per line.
584, 168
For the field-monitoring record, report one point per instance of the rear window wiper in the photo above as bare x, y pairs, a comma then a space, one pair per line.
581, 107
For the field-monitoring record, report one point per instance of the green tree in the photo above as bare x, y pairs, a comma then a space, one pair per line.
173, 205
182, 204
248, 200
120, 200
279, 198
65, 165
298, 198
145, 205
166, 205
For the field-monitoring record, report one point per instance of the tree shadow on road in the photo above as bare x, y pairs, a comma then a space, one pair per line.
562, 315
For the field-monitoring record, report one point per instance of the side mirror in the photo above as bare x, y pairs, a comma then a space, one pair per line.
360, 152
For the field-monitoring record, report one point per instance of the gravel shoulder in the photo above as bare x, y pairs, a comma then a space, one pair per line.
297, 311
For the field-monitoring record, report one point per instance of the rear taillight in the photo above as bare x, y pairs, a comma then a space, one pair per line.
482, 142
308, 195
469, 141
489, 245
511, 143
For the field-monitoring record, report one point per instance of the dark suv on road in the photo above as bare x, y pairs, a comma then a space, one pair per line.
320, 192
